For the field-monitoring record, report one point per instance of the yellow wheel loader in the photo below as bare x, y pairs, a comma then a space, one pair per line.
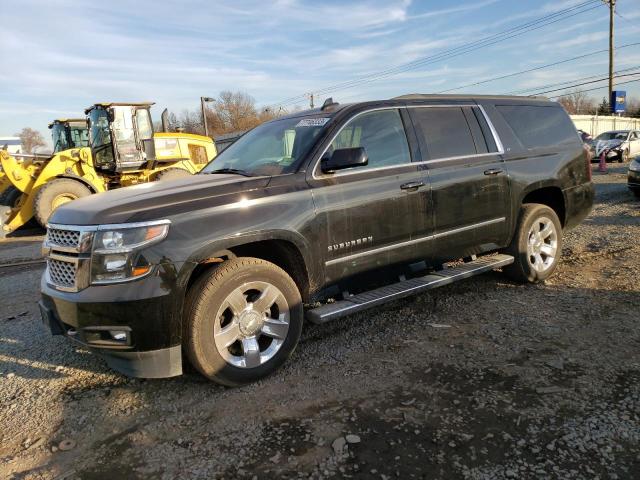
66, 133
122, 151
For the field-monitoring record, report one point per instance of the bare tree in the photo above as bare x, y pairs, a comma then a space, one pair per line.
231, 112
577, 103
235, 111
191, 122
30, 139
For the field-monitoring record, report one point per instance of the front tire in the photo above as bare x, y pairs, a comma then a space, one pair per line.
536, 245
55, 193
624, 157
10, 197
242, 321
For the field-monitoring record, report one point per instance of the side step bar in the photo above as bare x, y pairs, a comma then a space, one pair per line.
405, 288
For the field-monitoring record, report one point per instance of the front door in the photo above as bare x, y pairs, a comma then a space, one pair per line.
469, 181
367, 213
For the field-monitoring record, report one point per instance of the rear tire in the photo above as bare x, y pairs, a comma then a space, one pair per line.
536, 245
172, 174
242, 321
10, 197
54, 194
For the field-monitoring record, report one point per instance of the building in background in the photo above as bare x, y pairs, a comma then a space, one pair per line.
12, 143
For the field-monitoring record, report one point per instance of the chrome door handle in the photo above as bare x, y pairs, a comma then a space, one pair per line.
493, 171
412, 185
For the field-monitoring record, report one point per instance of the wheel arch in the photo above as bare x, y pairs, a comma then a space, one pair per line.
281, 250
550, 195
80, 179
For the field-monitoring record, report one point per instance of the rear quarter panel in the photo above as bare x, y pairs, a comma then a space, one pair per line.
564, 167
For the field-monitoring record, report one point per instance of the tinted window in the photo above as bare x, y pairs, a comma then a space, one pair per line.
445, 131
382, 135
537, 126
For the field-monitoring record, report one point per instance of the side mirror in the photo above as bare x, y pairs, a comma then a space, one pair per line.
344, 158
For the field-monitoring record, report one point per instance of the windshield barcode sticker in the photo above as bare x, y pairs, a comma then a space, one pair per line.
312, 122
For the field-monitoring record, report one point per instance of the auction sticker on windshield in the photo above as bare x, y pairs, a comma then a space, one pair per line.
312, 122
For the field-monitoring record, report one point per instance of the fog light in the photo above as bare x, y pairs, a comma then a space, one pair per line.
118, 335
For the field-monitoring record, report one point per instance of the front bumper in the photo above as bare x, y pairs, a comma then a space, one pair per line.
610, 155
135, 327
633, 180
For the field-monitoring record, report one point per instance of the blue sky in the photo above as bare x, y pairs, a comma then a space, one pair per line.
61, 56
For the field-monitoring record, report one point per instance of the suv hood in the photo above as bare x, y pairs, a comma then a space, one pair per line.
156, 200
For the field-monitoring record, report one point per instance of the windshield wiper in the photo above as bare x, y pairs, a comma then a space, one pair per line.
235, 171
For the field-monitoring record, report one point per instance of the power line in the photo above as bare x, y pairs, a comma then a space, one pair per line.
584, 83
525, 90
597, 88
466, 48
541, 67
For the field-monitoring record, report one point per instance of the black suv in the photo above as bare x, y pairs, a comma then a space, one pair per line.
333, 203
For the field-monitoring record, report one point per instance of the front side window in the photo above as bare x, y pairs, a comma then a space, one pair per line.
382, 135
145, 128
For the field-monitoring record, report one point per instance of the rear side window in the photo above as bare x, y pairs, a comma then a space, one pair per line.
451, 131
539, 126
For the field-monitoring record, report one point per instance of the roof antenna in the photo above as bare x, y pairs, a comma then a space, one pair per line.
328, 103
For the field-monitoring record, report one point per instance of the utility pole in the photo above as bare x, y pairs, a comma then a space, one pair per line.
612, 12
203, 100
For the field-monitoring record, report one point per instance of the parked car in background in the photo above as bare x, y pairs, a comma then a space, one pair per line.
620, 145
633, 177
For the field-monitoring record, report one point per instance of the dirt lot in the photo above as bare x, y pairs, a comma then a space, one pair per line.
483, 379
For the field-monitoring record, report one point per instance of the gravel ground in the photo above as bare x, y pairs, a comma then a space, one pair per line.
482, 379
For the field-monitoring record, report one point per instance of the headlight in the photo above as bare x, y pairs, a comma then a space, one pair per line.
634, 166
117, 256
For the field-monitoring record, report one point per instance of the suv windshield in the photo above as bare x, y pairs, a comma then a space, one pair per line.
272, 148
613, 136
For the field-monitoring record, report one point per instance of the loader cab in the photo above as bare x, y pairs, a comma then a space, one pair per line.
68, 133
120, 136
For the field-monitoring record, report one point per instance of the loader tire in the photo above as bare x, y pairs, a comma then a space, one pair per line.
10, 197
56, 193
172, 174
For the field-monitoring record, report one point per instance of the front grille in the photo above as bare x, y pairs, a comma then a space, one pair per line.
62, 273
63, 238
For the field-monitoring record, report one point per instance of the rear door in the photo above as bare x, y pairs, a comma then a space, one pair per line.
367, 213
469, 181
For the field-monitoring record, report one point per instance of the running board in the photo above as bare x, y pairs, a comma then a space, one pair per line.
405, 288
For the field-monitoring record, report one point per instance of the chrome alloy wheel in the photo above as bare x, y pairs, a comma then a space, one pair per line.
251, 324
542, 244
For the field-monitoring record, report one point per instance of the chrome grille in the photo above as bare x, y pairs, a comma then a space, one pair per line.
63, 238
62, 273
